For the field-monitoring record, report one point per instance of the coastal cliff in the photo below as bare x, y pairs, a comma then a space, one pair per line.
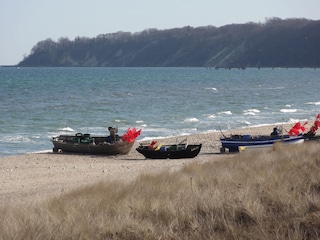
275, 43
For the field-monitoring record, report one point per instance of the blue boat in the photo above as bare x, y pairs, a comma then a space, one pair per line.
235, 143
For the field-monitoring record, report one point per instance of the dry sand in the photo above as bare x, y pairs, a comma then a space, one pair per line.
35, 177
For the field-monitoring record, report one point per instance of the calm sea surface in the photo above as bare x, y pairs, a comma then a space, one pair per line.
39, 103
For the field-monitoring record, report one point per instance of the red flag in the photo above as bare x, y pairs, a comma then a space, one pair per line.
297, 129
315, 125
131, 135
293, 132
303, 128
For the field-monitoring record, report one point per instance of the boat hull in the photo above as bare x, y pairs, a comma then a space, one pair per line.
90, 145
269, 146
190, 151
103, 149
234, 143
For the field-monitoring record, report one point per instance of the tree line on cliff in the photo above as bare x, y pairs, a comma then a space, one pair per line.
274, 43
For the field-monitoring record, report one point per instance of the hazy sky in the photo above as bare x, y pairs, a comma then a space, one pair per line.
23, 23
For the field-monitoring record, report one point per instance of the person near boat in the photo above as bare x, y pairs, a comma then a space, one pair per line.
275, 132
113, 137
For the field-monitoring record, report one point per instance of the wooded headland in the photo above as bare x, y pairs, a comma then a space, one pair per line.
275, 43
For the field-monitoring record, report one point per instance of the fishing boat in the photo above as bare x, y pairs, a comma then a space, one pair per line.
172, 151
236, 143
112, 144
295, 135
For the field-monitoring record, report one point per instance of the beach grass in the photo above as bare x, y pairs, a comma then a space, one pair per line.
251, 195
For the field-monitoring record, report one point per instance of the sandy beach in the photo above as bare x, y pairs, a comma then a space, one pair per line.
35, 177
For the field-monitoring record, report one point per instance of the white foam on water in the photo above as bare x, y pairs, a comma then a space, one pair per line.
16, 139
191, 120
225, 112
313, 103
252, 110
273, 88
212, 116
249, 113
292, 120
43, 151
120, 120
211, 88
288, 110
66, 129
211, 131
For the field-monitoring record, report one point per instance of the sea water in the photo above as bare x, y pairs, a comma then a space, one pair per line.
39, 103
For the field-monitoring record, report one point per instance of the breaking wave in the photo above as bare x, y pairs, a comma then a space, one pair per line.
191, 120
288, 110
66, 129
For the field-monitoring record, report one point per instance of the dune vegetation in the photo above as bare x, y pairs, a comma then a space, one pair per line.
250, 195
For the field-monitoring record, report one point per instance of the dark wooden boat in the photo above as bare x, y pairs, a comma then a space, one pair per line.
173, 151
311, 137
112, 144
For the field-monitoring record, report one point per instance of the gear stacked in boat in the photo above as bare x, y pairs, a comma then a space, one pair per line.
155, 150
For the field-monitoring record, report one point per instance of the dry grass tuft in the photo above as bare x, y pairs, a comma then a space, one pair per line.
258, 195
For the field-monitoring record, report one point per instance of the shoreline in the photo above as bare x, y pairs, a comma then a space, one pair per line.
286, 125
33, 177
